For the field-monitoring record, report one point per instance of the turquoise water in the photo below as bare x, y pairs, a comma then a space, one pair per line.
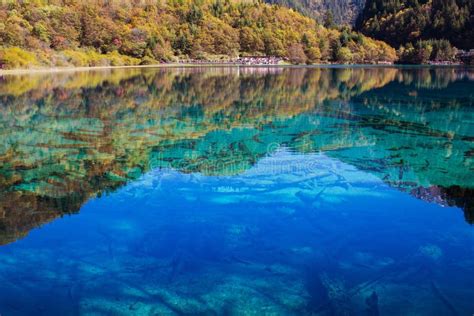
238, 191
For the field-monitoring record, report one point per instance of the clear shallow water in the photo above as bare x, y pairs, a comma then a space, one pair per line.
224, 191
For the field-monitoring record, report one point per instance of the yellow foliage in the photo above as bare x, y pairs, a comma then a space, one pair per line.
15, 57
56, 33
77, 58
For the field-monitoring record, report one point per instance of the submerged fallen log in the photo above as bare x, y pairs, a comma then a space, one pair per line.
438, 293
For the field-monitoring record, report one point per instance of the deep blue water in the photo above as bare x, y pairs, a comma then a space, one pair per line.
319, 193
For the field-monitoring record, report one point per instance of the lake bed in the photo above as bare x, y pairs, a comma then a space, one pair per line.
239, 191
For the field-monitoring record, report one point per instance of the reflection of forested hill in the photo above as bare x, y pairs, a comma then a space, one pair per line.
72, 136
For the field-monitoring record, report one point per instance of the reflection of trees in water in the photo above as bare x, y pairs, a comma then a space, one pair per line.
367, 78
433, 78
70, 136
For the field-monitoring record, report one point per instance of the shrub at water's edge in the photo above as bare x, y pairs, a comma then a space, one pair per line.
121, 33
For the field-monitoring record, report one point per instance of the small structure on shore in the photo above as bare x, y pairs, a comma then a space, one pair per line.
259, 60
246, 60
467, 57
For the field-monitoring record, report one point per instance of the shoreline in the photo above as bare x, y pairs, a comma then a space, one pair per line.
27, 71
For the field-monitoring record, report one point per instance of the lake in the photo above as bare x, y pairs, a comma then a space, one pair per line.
238, 191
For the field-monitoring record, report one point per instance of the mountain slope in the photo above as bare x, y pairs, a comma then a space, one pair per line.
402, 21
93, 33
342, 11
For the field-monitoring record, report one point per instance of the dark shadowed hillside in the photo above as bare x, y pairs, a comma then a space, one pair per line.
342, 11
399, 22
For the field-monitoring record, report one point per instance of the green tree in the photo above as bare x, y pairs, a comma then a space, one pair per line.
328, 20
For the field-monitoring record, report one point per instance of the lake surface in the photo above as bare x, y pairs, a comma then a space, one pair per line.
238, 191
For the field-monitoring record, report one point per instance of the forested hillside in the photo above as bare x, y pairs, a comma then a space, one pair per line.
423, 30
402, 21
91, 33
342, 12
